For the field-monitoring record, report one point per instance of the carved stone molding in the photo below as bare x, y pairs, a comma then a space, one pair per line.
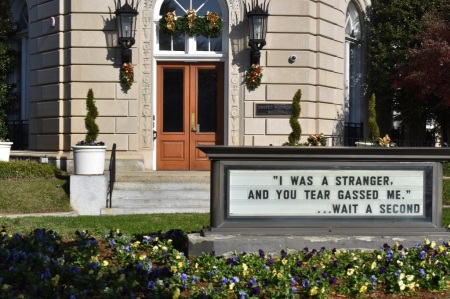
234, 87
146, 107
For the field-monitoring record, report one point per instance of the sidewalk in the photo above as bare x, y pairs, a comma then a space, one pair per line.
56, 214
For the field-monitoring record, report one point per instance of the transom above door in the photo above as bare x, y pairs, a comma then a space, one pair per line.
185, 44
189, 113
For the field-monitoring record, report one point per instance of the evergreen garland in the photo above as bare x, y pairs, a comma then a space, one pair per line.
210, 25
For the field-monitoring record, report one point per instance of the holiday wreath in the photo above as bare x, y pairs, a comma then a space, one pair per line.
210, 25
127, 74
253, 76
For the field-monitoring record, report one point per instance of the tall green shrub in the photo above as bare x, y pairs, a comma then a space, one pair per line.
294, 136
89, 121
374, 130
7, 63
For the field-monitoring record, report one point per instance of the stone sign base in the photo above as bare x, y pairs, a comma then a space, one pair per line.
223, 243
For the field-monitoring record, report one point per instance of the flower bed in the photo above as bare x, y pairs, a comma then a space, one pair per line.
42, 265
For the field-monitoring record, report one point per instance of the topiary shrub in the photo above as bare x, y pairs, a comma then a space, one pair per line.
294, 136
374, 130
89, 121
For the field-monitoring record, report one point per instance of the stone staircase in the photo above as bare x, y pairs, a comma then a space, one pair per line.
138, 192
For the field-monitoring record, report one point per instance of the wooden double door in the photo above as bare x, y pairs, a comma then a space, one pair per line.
189, 113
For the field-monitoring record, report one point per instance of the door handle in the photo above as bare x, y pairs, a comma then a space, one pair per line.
193, 126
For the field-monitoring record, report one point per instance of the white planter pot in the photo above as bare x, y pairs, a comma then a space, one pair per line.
363, 144
5, 150
89, 160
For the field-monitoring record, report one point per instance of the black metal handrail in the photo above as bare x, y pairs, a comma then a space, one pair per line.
112, 176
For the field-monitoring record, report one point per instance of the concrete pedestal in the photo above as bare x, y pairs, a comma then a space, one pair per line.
88, 193
222, 244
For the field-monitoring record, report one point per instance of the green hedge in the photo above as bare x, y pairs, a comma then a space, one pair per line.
26, 169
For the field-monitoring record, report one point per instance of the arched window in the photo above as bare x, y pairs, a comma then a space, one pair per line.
183, 43
353, 66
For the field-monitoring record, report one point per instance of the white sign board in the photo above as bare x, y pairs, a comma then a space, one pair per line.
307, 192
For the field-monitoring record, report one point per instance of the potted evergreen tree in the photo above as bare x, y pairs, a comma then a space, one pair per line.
374, 131
88, 154
294, 136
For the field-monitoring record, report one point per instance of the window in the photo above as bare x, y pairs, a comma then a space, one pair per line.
353, 68
184, 43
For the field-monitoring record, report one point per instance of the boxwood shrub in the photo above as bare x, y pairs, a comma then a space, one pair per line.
27, 169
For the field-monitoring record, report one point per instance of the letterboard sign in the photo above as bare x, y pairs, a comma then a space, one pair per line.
273, 109
318, 190
327, 193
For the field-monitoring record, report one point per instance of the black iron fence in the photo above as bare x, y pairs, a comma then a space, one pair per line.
18, 134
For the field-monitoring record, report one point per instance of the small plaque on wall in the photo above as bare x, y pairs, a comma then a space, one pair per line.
273, 109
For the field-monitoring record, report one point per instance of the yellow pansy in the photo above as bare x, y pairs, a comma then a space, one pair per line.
231, 286
55, 280
142, 257
105, 263
284, 261
373, 266
409, 277
363, 289
176, 293
350, 271
433, 244
314, 291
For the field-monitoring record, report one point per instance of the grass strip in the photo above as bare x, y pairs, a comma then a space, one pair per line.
100, 225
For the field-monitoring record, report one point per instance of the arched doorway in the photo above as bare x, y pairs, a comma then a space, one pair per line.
190, 87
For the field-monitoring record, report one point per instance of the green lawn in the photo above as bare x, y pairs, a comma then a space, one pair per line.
34, 196
100, 225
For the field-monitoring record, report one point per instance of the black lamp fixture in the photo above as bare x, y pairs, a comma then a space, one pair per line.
257, 15
126, 26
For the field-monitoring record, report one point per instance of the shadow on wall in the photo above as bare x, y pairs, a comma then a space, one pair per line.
109, 29
339, 130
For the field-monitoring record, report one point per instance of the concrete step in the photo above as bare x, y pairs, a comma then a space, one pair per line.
166, 197
128, 165
160, 192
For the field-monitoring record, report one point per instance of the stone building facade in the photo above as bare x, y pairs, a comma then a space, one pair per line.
67, 47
